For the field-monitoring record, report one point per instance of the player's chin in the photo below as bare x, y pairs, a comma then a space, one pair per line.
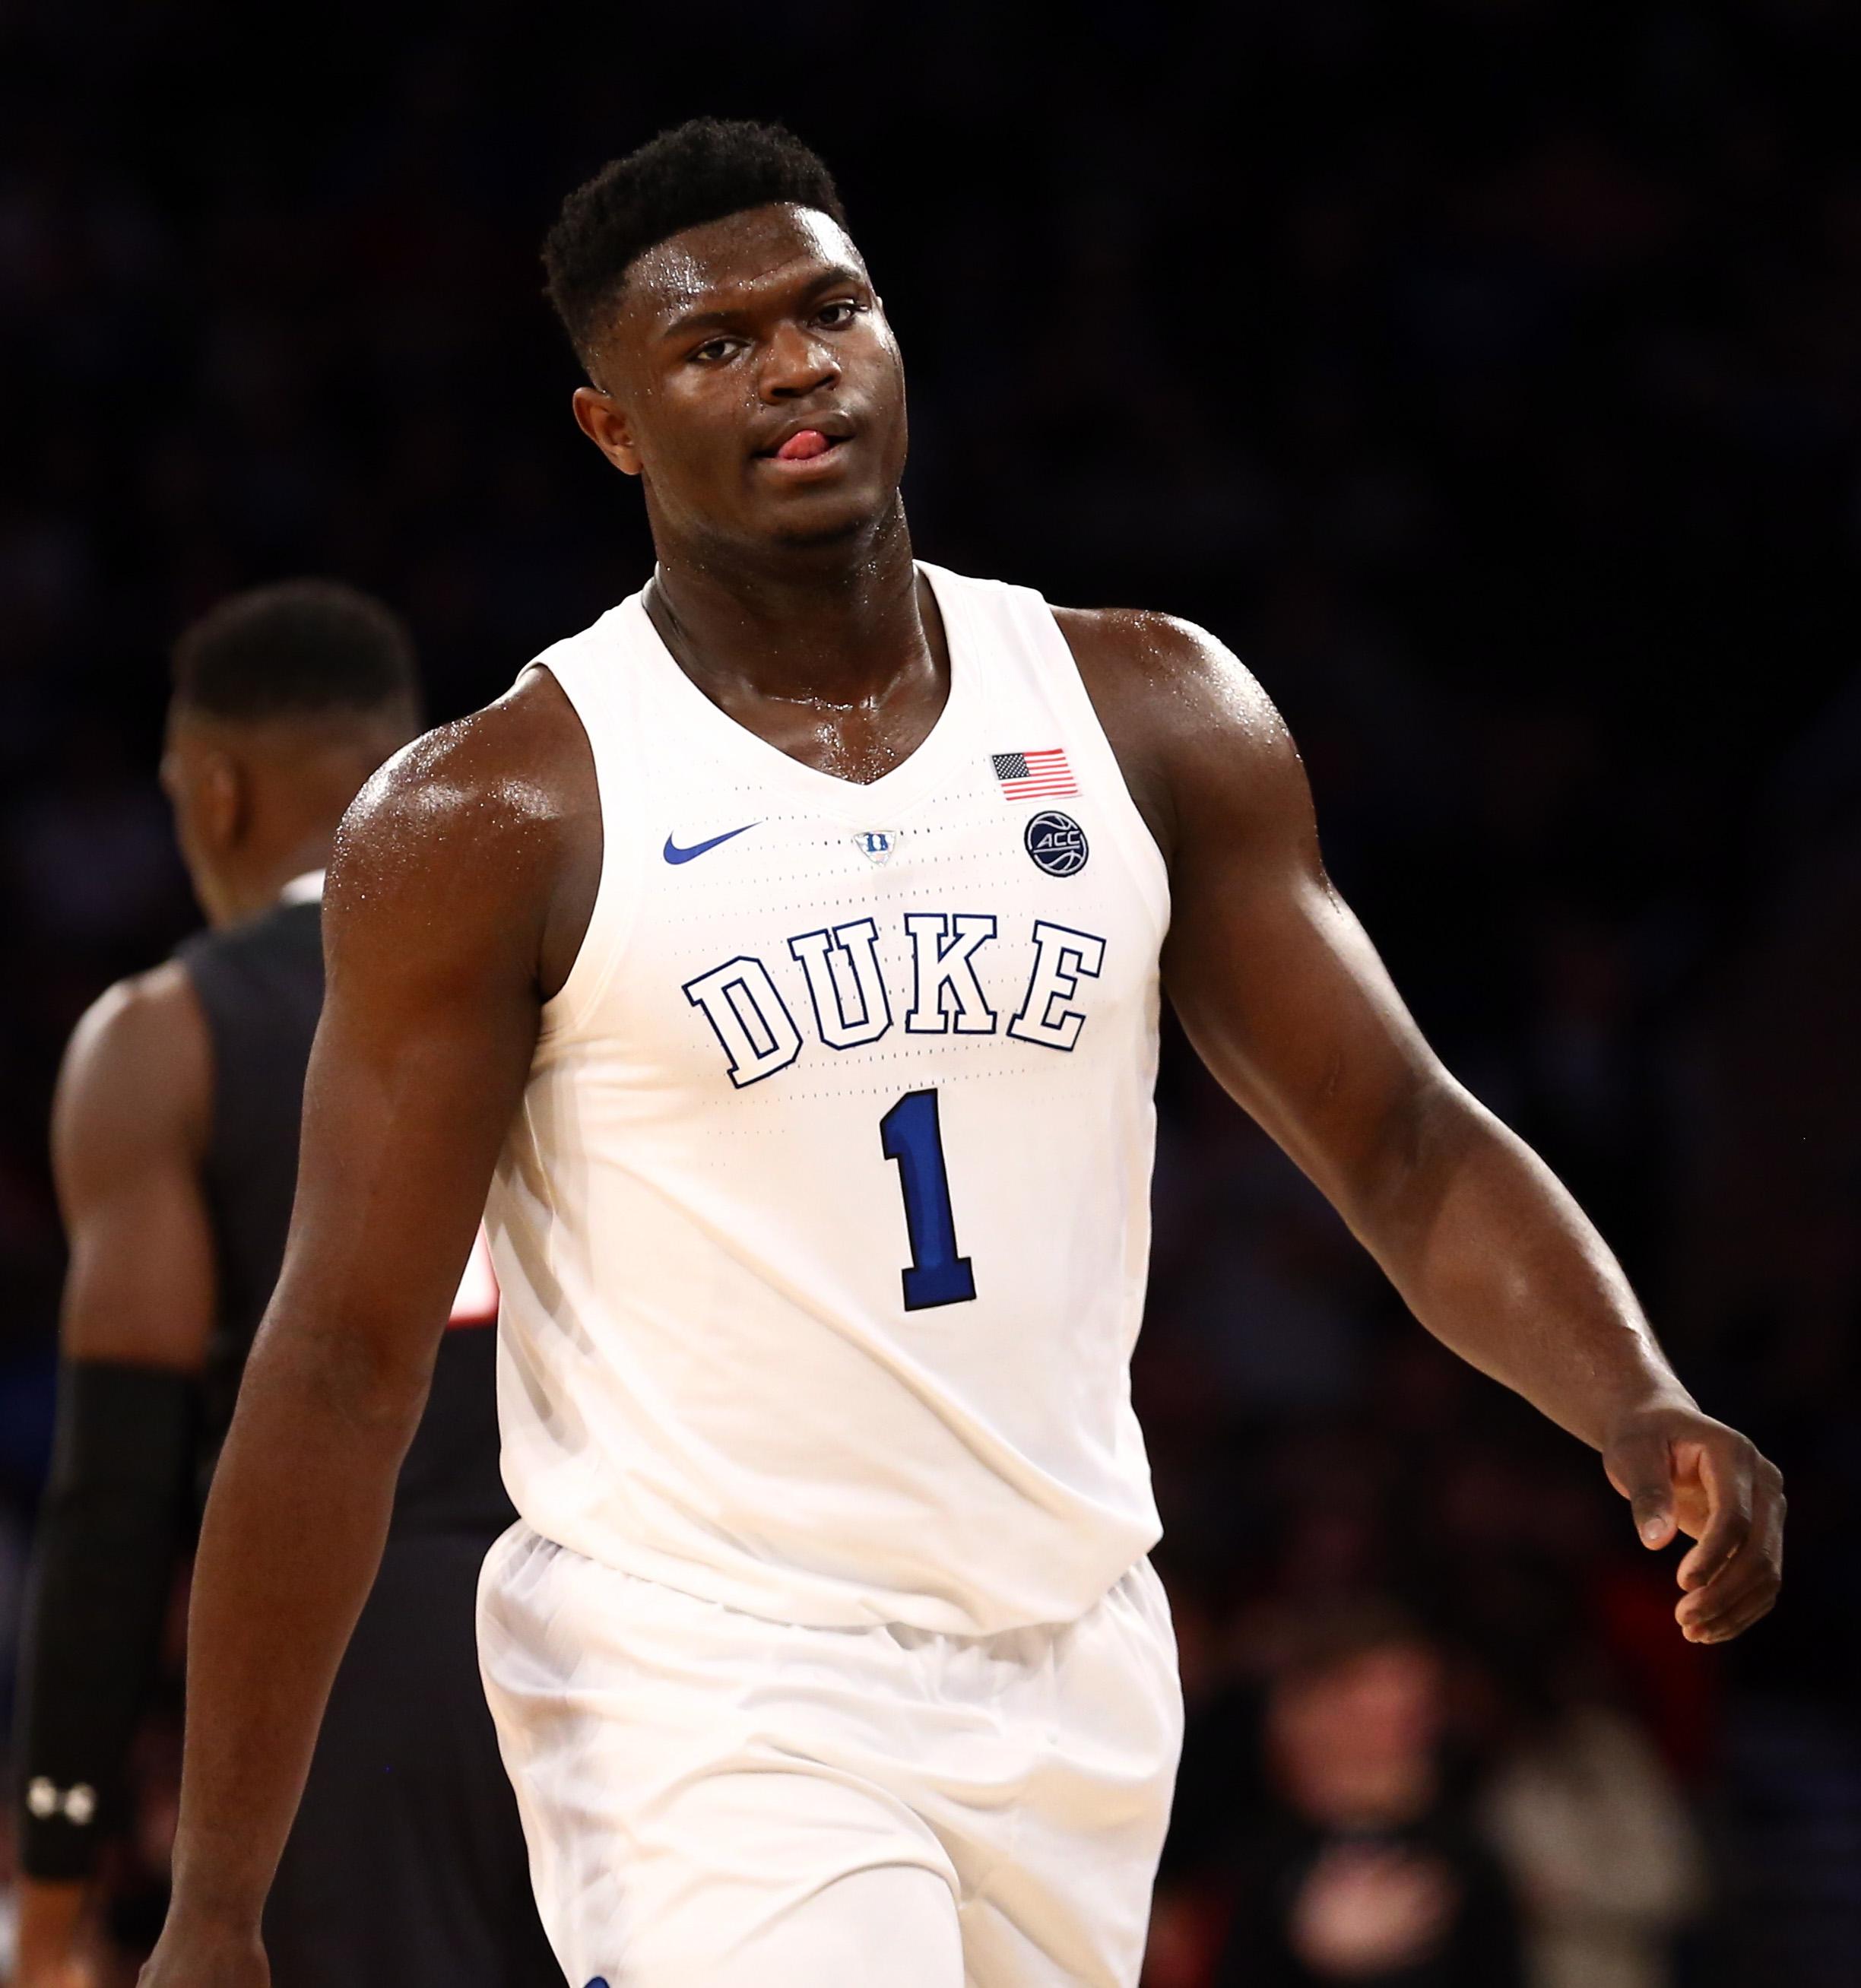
822, 515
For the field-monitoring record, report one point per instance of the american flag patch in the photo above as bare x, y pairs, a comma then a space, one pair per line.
1027, 776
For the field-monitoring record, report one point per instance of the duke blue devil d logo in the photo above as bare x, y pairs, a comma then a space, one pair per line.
1056, 843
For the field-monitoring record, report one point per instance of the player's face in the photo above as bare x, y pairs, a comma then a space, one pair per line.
753, 383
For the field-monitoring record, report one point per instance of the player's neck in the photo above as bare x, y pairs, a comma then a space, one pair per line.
839, 624
256, 885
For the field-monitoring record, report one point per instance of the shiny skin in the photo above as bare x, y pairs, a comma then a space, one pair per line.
1283, 995
727, 339
463, 882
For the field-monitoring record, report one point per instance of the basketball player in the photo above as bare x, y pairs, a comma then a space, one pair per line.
176, 1150
789, 944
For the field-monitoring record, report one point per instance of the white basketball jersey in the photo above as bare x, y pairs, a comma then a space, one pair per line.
823, 1226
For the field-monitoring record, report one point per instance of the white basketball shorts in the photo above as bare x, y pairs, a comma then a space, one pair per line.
713, 1800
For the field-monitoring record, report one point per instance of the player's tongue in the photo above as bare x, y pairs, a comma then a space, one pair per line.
799, 447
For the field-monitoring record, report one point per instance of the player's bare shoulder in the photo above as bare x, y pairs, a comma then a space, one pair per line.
1193, 727
483, 833
137, 1076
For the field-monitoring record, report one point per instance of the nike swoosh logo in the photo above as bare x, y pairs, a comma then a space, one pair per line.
673, 853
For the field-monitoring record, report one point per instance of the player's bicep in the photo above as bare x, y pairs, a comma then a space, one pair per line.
128, 1124
1276, 984
1293, 1012
405, 1106
429, 1021
140, 1284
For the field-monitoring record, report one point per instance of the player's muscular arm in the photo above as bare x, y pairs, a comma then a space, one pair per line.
460, 886
130, 1124
1287, 1002
129, 1128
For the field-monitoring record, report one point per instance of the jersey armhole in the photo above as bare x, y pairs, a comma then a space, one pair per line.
1048, 641
610, 918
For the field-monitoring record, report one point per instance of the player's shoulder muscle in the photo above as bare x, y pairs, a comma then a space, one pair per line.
1198, 738
458, 849
135, 1090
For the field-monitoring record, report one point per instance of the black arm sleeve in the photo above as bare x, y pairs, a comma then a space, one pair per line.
118, 1509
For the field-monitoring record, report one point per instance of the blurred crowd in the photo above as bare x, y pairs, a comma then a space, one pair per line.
1485, 372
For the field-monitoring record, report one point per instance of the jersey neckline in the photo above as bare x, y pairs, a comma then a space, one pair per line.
902, 786
307, 889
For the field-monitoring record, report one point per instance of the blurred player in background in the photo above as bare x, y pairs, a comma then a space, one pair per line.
175, 1149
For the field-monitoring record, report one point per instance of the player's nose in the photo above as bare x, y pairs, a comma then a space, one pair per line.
797, 362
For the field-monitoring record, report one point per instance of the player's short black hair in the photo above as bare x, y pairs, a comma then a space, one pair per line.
307, 648
700, 170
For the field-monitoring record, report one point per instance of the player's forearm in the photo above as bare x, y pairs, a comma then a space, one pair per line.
292, 1536
1493, 1256
115, 1509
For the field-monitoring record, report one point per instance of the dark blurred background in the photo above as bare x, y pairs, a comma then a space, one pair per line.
1485, 371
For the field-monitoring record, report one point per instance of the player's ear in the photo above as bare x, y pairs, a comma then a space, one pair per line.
603, 420
222, 810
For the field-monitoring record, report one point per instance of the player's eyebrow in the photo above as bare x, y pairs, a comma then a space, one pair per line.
727, 318
710, 320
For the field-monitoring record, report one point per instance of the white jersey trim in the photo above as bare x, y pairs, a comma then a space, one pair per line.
591, 670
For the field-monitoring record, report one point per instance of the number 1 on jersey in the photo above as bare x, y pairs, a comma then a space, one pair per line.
909, 1134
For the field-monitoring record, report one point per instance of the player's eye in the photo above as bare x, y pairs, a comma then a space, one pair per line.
838, 315
713, 350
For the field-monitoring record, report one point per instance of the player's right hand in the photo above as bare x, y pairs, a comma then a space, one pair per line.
193, 1955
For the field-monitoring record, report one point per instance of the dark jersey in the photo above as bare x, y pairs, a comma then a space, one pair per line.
261, 987
406, 1867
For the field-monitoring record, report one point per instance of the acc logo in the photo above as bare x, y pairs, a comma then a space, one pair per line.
1056, 843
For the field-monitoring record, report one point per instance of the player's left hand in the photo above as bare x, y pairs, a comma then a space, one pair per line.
1682, 1472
